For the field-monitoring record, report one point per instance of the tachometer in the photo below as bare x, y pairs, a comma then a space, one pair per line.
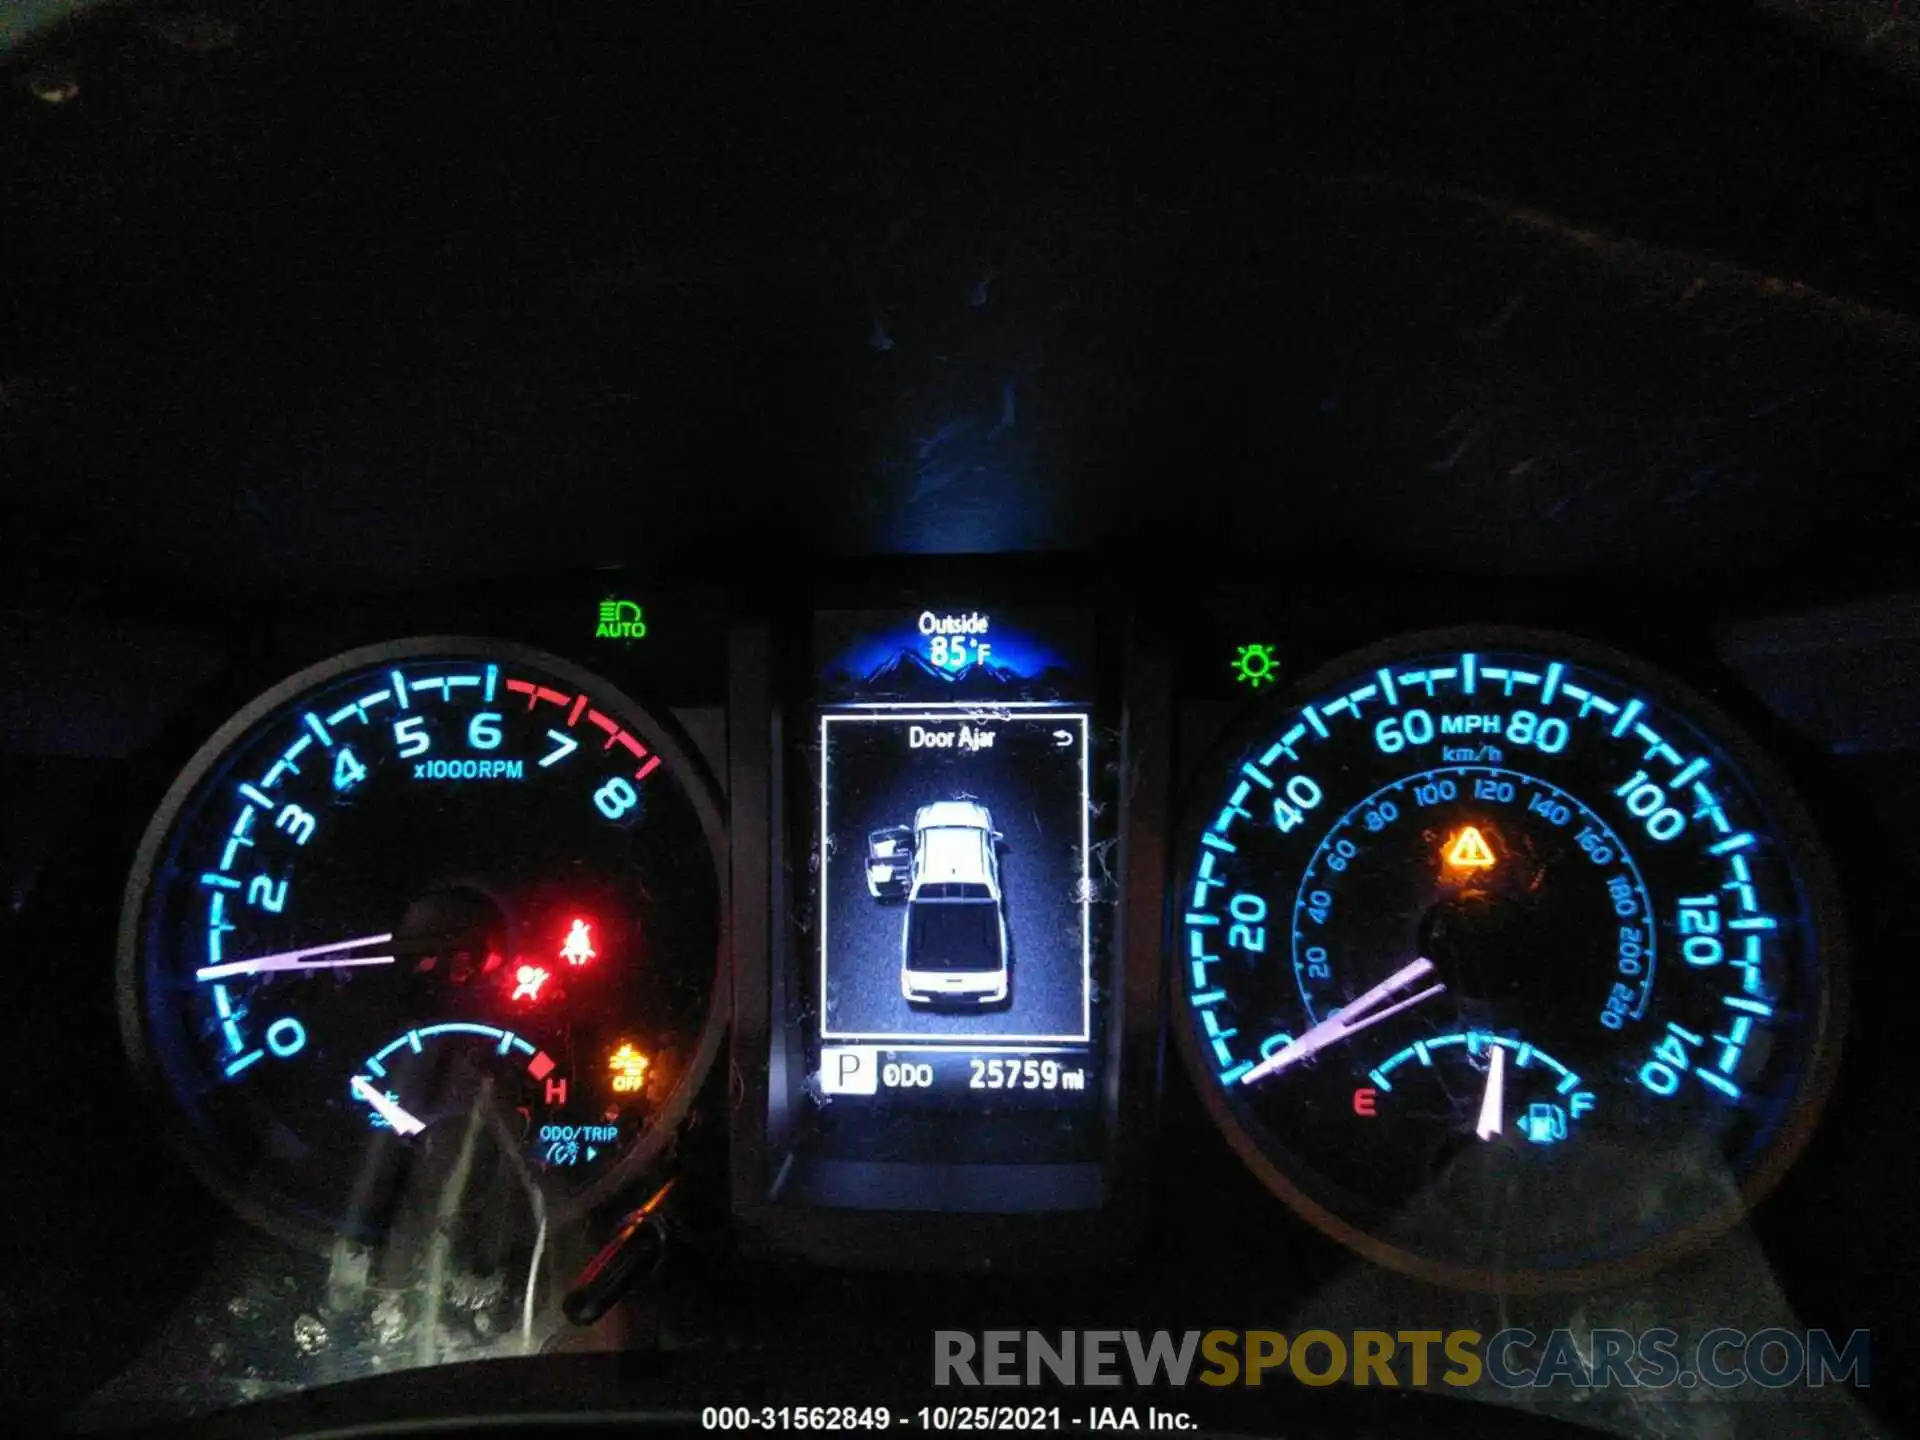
445, 909
1506, 960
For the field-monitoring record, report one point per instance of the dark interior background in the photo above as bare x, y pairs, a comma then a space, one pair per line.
321, 319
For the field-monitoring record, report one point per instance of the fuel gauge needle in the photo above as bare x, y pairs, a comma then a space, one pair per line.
1493, 1101
1357, 1016
402, 1122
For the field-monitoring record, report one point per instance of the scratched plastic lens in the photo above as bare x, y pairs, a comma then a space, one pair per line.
439, 915
1504, 959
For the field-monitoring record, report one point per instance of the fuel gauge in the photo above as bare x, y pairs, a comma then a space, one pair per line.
1472, 1086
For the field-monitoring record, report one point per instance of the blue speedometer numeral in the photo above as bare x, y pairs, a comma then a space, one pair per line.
1559, 838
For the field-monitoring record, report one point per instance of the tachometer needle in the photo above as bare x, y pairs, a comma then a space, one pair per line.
332, 957
1493, 1101
387, 1110
1356, 1017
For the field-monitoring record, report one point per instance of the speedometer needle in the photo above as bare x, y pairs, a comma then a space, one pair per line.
301, 959
1356, 1017
402, 1122
1493, 1101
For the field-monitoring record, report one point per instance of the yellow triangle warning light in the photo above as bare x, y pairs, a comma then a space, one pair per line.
1470, 851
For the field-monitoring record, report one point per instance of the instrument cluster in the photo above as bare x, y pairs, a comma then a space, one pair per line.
1500, 956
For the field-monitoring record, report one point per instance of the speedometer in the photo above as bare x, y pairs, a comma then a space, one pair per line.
440, 918
1506, 960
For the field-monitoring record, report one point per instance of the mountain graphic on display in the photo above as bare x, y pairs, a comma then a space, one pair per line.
912, 674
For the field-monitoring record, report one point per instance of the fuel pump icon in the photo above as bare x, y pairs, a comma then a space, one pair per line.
1544, 1123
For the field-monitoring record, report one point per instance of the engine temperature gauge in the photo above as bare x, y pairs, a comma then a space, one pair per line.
419, 902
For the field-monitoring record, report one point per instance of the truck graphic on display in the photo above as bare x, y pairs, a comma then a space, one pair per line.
953, 938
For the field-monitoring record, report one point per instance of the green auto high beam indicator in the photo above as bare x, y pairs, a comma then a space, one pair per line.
620, 620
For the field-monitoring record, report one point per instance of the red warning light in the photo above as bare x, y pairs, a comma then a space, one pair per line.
578, 949
530, 978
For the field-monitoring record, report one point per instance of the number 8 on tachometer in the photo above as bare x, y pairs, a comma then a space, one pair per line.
433, 925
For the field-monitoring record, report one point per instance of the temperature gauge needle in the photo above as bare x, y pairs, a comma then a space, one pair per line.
402, 1122
1356, 1017
314, 957
1493, 1102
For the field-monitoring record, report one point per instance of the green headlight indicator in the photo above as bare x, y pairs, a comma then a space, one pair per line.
1255, 665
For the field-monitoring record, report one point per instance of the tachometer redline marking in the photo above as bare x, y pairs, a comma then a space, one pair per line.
280, 834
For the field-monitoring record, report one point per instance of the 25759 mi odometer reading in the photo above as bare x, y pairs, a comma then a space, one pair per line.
1505, 960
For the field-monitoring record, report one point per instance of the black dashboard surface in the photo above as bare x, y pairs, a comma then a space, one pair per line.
339, 326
